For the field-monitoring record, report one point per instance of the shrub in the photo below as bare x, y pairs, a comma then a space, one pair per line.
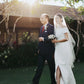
23, 56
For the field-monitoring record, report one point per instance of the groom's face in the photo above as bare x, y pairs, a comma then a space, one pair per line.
43, 19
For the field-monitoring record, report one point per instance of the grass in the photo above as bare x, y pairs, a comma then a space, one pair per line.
25, 75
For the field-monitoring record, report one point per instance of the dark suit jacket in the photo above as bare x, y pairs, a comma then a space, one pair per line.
46, 45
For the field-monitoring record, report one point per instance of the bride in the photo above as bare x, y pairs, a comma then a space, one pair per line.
64, 52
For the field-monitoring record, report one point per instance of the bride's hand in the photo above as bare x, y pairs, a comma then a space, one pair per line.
54, 41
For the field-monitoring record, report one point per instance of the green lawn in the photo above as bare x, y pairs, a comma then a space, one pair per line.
25, 75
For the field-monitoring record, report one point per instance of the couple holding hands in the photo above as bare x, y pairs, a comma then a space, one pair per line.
56, 45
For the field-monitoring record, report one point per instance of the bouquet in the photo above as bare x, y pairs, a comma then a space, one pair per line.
51, 37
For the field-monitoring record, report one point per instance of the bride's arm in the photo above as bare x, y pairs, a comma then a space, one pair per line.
63, 40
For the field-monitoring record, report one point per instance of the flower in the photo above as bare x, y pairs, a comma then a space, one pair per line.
51, 36
6, 56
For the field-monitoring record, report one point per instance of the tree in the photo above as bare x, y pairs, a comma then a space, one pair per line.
7, 8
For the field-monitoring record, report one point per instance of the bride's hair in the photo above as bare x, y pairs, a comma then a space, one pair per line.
60, 15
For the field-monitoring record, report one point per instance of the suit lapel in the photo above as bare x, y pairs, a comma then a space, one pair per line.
48, 26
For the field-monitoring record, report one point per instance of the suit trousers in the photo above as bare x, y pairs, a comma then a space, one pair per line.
45, 55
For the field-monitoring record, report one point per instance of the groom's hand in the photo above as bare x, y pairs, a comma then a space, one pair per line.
41, 39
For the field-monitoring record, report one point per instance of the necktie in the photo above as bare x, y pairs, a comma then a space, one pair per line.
43, 29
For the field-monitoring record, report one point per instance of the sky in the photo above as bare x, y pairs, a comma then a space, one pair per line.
51, 2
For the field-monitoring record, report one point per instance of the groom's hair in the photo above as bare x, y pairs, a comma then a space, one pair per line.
46, 15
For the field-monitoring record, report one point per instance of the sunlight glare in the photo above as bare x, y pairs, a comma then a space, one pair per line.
30, 2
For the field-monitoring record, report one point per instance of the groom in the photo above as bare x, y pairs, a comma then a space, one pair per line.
46, 50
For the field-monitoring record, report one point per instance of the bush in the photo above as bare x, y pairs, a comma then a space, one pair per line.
23, 56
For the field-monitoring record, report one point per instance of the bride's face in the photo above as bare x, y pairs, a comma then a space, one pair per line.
58, 20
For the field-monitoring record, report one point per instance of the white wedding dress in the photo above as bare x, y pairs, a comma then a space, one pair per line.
63, 57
